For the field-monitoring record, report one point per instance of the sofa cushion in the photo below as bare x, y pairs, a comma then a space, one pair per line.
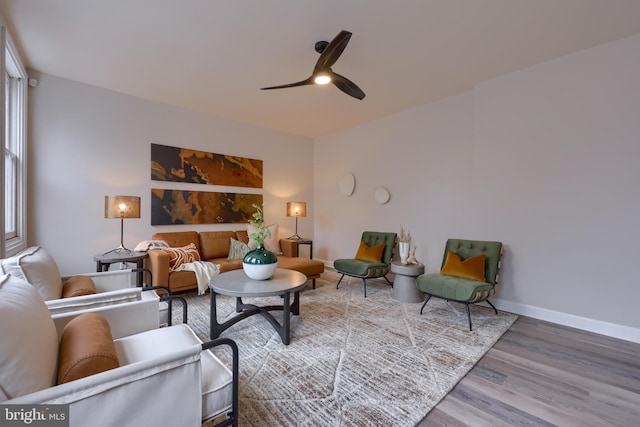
471, 268
77, 286
309, 267
179, 256
215, 244
243, 236
238, 249
36, 266
86, 348
29, 344
369, 253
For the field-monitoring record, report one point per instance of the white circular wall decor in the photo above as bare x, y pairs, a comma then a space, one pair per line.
347, 184
381, 195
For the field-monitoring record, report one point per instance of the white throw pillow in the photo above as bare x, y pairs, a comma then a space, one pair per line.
38, 268
272, 243
29, 344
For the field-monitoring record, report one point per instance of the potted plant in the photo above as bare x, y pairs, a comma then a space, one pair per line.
259, 264
404, 243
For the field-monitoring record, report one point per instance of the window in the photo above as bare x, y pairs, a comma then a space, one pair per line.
15, 87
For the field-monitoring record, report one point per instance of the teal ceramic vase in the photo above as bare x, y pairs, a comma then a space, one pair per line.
260, 264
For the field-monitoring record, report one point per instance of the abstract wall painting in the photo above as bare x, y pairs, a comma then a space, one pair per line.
170, 207
193, 166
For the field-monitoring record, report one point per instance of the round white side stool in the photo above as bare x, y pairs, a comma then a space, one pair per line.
404, 285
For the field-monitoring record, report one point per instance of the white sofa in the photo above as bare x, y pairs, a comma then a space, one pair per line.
165, 375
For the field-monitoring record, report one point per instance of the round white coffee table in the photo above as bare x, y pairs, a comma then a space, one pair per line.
237, 284
404, 285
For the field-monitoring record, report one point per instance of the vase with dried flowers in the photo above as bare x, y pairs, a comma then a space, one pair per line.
259, 264
404, 243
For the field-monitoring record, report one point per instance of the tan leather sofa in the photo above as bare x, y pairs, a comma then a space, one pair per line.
213, 246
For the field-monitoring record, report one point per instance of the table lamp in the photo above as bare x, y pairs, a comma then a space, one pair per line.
121, 207
296, 209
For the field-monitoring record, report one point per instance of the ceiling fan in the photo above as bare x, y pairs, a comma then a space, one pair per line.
323, 74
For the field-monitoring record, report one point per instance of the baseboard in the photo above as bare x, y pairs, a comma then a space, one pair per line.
613, 330
626, 333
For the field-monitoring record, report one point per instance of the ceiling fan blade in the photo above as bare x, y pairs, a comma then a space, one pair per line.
332, 52
347, 86
305, 82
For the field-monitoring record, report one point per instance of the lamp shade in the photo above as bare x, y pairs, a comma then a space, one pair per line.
296, 209
121, 207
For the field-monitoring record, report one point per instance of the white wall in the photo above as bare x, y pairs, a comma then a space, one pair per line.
543, 159
86, 142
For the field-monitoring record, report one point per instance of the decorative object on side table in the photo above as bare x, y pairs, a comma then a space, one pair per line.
412, 256
121, 207
404, 242
296, 209
259, 264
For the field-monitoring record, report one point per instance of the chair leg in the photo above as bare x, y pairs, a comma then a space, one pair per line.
468, 315
314, 283
492, 306
339, 281
388, 281
365, 287
425, 303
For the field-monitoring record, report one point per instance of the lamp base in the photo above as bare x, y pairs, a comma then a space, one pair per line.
295, 237
119, 250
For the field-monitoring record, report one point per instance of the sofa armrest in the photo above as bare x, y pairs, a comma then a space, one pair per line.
177, 374
289, 247
159, 266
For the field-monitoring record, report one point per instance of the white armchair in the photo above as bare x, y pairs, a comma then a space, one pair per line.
162, 376
83, 291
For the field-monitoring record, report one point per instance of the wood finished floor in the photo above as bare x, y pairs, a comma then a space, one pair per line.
543, 374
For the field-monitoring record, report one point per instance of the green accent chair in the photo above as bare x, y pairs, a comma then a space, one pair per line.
365, 269
464, 290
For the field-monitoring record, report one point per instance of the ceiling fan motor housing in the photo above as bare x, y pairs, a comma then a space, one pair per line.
321, 46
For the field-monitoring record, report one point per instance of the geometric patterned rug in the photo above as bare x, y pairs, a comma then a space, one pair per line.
352, 361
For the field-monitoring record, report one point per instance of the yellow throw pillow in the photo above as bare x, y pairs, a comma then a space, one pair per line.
370, 253
471, 268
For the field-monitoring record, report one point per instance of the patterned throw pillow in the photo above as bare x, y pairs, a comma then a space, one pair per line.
179, 256
238, 249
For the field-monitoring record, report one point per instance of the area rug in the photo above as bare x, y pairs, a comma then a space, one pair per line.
352, 361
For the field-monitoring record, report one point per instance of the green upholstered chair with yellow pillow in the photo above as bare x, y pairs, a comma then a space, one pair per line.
469, 273
372, 260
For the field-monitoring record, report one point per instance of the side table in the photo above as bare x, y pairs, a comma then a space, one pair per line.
404, 285
299, 242
104, 261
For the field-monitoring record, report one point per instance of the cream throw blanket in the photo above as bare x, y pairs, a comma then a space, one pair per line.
204, 271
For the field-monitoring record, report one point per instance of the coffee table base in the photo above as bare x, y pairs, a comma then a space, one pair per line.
248, 310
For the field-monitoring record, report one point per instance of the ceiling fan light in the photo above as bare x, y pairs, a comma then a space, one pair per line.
322, 79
